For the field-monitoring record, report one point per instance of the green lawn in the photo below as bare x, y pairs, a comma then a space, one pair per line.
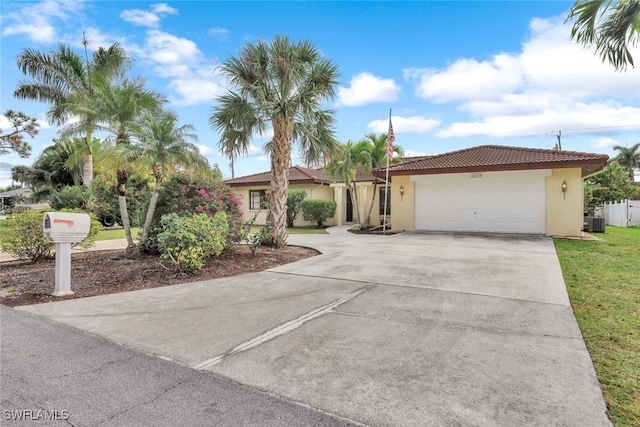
603, 281
115, 234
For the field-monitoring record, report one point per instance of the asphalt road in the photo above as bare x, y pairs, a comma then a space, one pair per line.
55, 375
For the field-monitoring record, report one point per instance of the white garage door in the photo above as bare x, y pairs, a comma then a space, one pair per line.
504, 202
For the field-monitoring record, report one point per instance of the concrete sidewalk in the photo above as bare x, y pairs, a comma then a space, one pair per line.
410, 329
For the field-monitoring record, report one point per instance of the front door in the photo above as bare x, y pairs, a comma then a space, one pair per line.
349, 208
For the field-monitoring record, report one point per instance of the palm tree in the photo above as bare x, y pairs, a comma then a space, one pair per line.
282, 83
611, 26
377, 148
347, 160
628, 158
162, 148
66, 81
122, 107
20, 174
50, 172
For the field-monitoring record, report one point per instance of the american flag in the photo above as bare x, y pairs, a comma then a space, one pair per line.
390, 140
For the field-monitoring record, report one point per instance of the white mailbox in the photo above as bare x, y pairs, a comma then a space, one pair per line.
66, 227
63, 229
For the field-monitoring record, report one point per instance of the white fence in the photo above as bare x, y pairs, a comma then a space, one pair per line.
623, 214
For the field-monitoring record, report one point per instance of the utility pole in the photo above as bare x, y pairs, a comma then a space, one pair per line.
559, 144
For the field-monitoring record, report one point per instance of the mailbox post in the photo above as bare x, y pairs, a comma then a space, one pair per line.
63, 229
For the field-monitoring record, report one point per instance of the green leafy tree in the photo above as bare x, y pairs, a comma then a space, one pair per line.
318, 210
294, 205
122, 108
347, 160
377, 148
13, 140
628, 158
609, 26
68, 83
162, 147
613, 184
282, 83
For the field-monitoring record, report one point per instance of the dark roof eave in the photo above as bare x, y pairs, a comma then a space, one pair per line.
586, 165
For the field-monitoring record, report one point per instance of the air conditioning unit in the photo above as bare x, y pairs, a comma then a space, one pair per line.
598, 225
593, 224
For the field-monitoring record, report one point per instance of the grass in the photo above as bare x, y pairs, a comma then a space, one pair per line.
603, 281
115, 234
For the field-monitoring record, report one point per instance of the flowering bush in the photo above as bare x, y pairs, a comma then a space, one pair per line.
185, 196
188, 240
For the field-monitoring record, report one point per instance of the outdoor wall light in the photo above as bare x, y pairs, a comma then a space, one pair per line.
564, 189
401, 192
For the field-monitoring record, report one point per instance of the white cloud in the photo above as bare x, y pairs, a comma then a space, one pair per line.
468, 79
140, 17
365, 88
218, 32
204, 150
145, 18
412, 153
552, 84
413, 124
603, 142
194, 91
163, 8
38, 21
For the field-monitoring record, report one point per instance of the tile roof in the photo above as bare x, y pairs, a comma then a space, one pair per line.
297, 175
495, 158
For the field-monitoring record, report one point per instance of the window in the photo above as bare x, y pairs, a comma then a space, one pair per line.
382, 201
257, 199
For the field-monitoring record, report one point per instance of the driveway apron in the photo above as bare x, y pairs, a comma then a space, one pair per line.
410, 329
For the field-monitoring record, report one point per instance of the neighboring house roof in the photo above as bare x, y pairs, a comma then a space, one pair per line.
297, 175
16, 192
488, 158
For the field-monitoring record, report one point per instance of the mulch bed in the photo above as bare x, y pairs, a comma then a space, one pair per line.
105, 272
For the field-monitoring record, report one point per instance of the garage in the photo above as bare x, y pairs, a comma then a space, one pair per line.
498, 202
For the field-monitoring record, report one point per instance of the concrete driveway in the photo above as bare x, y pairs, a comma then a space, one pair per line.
410, 329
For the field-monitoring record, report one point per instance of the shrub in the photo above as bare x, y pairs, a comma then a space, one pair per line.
188, 240
183, 195
71, 197
264, 237
318, 211
22, 236
294, 204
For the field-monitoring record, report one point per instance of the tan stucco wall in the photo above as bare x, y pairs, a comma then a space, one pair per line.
402, 208
314, 191
565, 211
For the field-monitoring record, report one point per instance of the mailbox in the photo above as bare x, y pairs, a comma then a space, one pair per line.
66, 227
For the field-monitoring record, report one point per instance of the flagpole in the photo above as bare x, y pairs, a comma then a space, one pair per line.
386, 180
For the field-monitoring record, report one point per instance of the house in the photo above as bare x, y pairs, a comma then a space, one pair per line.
493, 188
490, 188
253, 189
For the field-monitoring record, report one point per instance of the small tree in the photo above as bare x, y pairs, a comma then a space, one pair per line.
13, 140
318, 210
294, 205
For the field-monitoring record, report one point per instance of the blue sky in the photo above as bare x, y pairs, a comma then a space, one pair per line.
455, 74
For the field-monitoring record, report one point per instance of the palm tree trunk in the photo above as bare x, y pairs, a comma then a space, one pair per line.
280, 161
87, 170
150, 212
356, 203
122, 201
373, 202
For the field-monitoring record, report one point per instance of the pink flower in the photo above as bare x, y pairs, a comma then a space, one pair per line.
199, 209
